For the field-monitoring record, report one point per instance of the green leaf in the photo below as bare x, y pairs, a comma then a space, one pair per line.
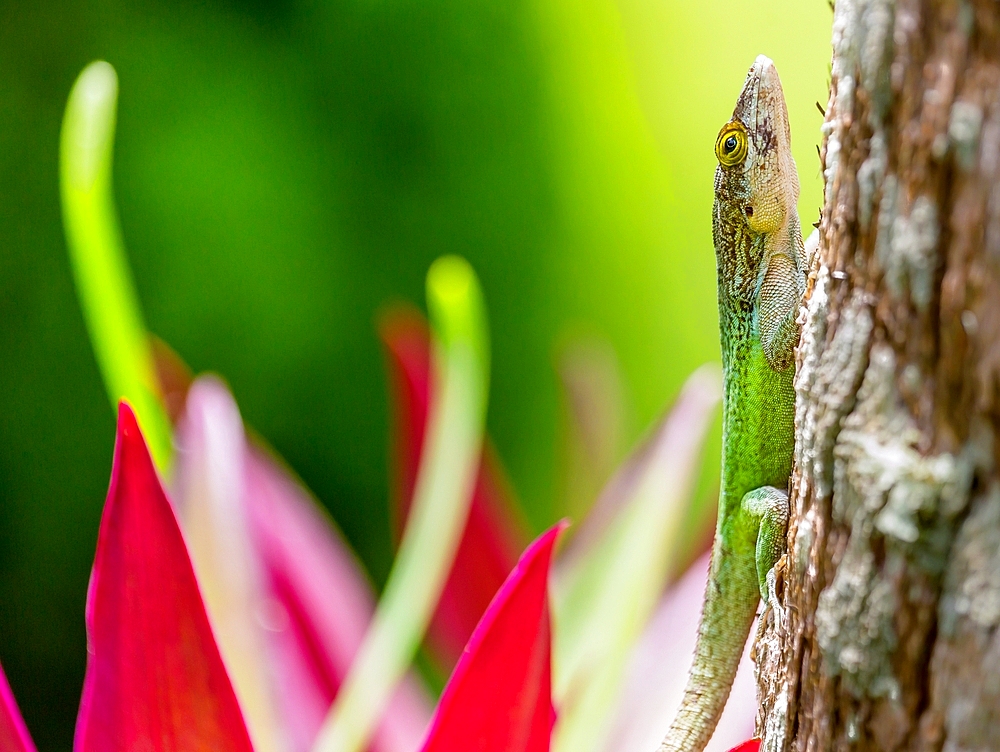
440, 507
97, 256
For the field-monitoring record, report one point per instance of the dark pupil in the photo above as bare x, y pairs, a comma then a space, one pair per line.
730, 144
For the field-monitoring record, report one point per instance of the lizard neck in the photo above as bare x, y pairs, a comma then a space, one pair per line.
757, 400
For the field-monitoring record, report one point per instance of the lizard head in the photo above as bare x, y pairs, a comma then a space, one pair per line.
756, 171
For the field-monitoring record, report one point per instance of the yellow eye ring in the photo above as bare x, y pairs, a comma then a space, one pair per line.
731, 145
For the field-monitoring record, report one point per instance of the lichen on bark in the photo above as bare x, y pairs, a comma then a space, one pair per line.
891, 584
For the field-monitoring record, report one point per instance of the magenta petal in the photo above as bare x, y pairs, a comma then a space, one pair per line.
155, 679
14, 736
322, 605
499, 698
752, 745
492, 536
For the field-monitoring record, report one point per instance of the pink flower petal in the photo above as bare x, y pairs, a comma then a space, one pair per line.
492, 534
14, 736
155, 679
320, 609
658, 670
602, 606
499, 698
672, 439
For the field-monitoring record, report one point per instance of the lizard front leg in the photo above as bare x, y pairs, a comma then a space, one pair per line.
767, 509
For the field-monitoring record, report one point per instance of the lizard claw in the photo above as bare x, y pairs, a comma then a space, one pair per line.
772, 599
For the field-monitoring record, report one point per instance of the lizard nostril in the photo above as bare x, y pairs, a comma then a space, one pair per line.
748, 211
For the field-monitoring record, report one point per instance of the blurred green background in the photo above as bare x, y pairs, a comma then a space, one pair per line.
283, 169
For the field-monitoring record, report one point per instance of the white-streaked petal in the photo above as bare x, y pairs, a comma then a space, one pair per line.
611, 578
213, 514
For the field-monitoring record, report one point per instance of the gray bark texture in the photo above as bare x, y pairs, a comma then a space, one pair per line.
890, 638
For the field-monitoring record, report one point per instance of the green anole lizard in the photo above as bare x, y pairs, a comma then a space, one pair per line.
761, 270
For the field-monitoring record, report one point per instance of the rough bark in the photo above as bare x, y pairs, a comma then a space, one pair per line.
891, 636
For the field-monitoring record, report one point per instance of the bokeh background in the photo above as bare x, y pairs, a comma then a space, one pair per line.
284, 169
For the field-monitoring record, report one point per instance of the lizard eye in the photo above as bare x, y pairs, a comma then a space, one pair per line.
731, 145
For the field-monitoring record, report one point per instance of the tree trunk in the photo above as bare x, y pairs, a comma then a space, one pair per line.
891, 634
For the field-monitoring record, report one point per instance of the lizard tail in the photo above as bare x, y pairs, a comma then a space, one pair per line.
731, 599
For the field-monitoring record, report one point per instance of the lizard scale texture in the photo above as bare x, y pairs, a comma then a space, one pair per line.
761, 270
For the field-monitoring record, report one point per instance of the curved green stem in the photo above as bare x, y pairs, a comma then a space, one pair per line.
441, 499
103, 282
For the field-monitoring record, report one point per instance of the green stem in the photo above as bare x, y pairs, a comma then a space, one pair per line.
441, 498
103, 282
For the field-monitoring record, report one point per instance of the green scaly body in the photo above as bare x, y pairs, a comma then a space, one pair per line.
759, 251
